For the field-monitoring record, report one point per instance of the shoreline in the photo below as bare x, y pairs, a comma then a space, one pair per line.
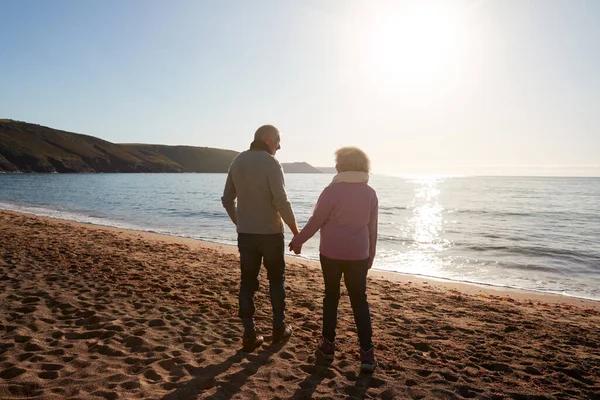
442, 284
466, 287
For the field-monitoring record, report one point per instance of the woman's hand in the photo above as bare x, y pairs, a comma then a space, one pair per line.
294, 248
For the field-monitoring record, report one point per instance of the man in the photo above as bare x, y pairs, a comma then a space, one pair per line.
256, 179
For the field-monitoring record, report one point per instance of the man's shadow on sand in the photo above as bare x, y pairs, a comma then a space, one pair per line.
205, 377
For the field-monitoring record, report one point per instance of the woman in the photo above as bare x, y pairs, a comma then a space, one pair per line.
346, 213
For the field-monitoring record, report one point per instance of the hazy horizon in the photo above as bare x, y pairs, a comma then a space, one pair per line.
479, 171
467, 87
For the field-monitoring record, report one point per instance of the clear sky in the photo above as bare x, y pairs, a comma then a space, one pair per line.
465, 86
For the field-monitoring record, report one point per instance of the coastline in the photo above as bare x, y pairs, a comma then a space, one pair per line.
442, 284
104, 313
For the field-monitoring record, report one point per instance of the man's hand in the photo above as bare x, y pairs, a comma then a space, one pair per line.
370, 261
295, 249
294, 229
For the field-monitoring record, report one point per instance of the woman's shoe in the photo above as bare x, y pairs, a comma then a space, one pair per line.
368, 362
326, 349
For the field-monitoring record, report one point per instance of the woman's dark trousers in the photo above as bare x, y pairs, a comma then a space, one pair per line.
355, 278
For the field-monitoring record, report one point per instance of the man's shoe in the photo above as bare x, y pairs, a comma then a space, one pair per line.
326, 349
284, 333
250, 343
368, 362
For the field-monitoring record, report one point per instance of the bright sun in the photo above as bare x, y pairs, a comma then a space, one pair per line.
412, 48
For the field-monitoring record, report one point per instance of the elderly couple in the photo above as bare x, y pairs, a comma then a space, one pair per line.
346, 214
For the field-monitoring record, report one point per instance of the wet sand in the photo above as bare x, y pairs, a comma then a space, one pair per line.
92, 312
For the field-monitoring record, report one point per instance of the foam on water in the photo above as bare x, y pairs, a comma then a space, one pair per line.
66, 215
92, 220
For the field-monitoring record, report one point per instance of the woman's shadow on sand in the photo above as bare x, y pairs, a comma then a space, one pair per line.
322, 369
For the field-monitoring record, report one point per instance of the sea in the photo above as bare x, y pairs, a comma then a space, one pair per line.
535, 233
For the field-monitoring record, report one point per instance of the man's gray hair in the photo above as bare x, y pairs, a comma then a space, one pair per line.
352, 159
265, 130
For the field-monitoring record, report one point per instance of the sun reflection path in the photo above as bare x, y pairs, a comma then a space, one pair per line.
424, 229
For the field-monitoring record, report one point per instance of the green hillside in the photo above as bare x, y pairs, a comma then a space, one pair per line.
300, 168
26, 147
187, 158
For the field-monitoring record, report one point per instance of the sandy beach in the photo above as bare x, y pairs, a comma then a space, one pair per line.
90, 312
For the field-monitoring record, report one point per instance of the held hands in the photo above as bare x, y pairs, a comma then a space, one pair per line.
295, 249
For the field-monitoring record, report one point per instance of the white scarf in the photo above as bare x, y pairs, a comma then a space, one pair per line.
351, 177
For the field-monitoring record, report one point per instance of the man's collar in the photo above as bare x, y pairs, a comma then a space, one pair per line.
260, 145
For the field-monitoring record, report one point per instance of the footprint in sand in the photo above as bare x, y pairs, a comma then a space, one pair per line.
154, 323
21, 338
496, 367
48, 375
468, 392
32, 347
231, 335
11, 372
197, 348
29, 300
130, 385
424, 347
286, 355
107, 351
449, 377
25, 356
26, 389
376, 382
152, 375
56, 352
26, 309
106, 394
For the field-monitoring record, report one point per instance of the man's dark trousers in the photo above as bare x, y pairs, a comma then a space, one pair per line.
254, 250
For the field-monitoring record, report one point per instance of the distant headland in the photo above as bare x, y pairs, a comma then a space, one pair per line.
26, 147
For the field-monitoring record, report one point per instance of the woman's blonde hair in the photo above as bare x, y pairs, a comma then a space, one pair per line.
352, 159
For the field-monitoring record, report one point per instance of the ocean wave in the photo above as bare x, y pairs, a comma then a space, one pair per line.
569, 216
68, 216
580, 293
394, 239
538, 251
391, 210
191, 214
492, 212
530, 267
